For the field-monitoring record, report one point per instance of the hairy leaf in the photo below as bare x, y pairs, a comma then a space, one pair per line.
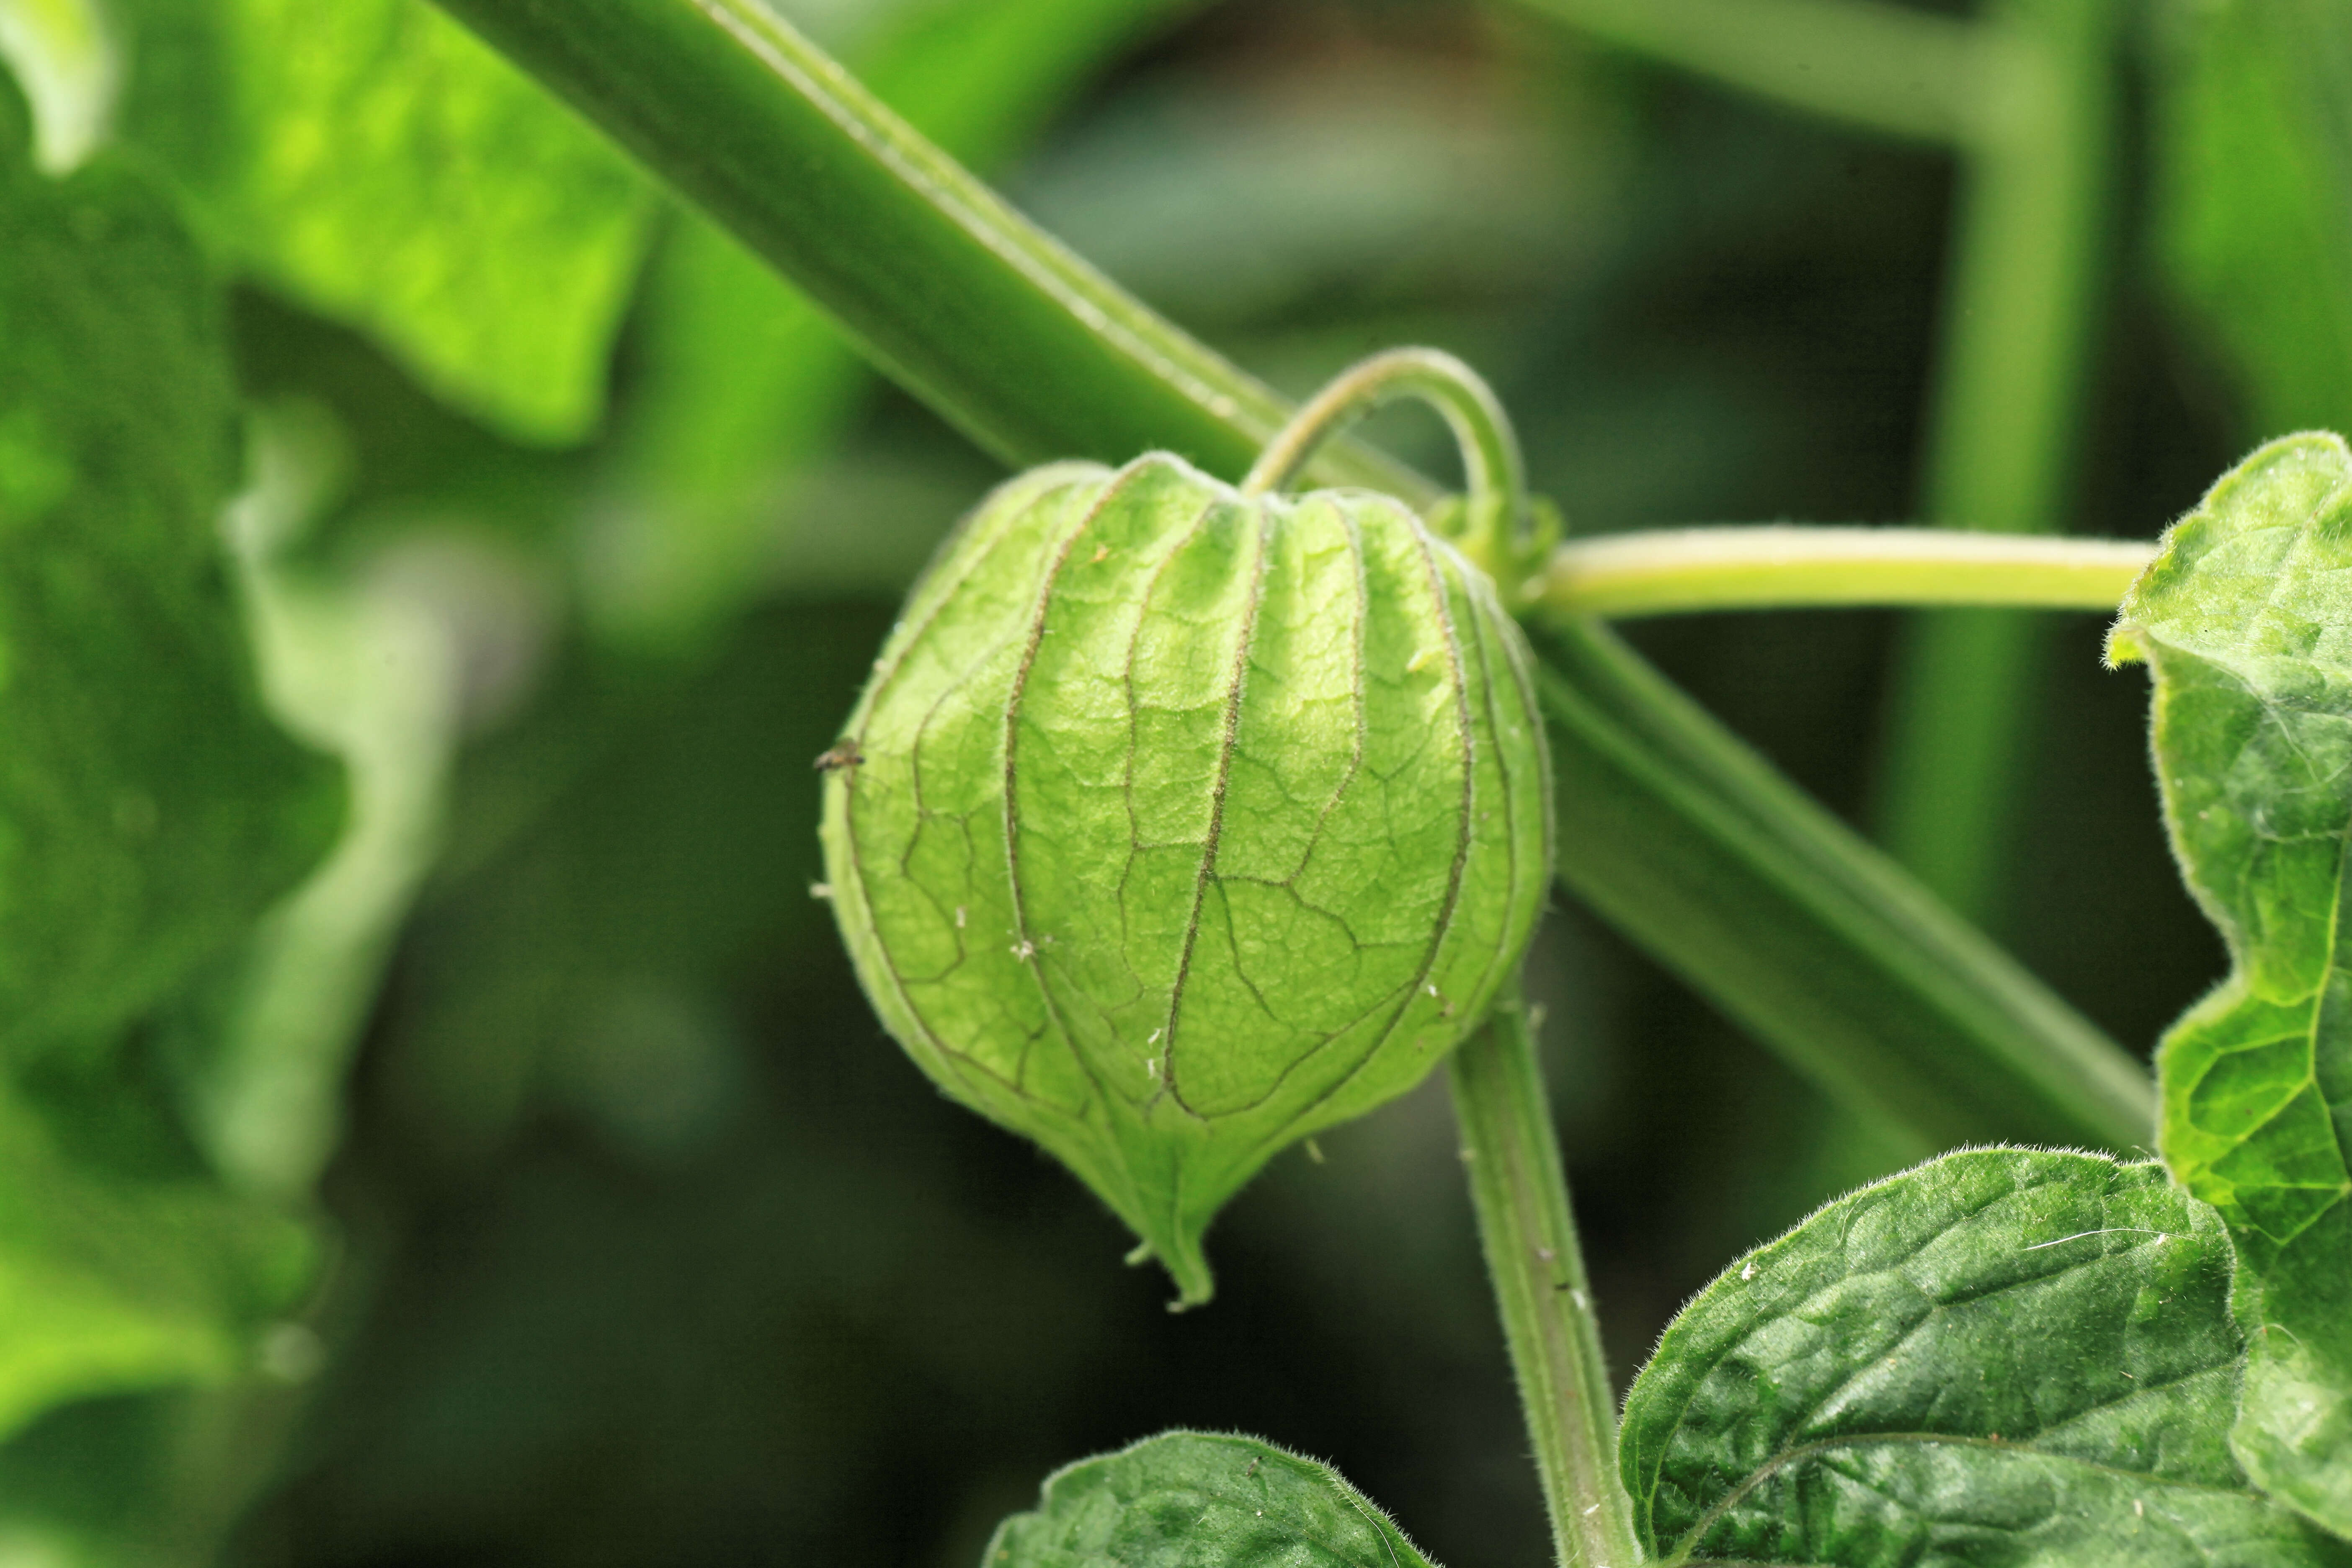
1186, 1499
148, 808
2245, 621
2253, 120
375, 162
2004, 1356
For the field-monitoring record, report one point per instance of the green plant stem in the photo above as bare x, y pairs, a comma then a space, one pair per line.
2033, 217
1778, 566
1526, 1225
1881, 68
1028, 350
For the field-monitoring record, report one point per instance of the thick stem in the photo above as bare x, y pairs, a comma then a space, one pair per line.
1779, 566
1031, 351
1521, 1192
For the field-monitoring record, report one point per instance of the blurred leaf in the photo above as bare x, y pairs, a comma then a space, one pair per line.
372, 676
745, 379
1187, 1498
1328, 188
377, 162
148, 808
110, 1282
2004, 1356
68, 68
2245, 622
2254, 122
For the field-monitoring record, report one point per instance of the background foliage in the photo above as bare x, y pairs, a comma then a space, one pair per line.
571, 532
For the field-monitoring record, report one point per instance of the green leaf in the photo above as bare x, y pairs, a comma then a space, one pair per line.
2004, 1356
148, 808
2253, 194
2245, 621
111, 1281
374, 162
1187, 1499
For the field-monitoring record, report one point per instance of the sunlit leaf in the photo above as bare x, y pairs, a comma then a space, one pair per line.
2004, 1356
380, 165
2245, 621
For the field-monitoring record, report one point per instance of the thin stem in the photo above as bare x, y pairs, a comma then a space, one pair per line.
1520, 1191
1490, 452
1494, 525
1675, 571
1881, 68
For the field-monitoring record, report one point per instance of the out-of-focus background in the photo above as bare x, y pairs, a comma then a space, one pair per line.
647, 1246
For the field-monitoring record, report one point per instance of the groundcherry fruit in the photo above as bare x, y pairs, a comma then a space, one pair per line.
1180, 820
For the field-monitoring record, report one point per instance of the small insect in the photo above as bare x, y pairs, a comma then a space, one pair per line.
842, 754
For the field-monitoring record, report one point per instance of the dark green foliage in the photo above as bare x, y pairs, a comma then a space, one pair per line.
654, 1250
148, 810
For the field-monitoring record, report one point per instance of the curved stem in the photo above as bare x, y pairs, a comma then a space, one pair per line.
1526, 1227
1491, 465
1774, 566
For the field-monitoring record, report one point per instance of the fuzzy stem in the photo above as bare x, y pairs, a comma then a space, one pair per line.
1774, 566
1525, 1224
